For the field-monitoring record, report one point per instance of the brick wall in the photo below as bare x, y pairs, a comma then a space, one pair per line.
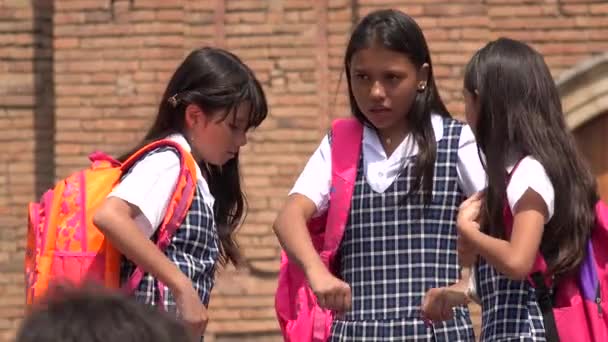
90, 78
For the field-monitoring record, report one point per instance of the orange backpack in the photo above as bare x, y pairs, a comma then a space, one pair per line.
63, 244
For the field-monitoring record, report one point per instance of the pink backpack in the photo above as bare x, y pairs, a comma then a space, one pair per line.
300, 318
578, 310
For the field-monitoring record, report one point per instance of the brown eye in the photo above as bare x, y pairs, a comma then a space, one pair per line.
362, 77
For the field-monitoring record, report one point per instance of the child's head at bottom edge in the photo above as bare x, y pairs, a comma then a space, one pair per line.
70, 314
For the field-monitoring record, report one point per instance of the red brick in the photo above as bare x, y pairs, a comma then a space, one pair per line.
518, 11
535, 23
143, 15
452, 10
248, 29
170, 15
242, 5
599, 9
79, 5
69, 18
155, 4
575, 9
245, 17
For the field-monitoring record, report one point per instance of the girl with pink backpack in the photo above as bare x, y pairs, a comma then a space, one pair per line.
538, 229
390, 212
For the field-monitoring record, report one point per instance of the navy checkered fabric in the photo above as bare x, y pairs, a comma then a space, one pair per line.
194, 248
395, 249
510, 310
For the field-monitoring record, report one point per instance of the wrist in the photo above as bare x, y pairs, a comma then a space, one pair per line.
179, 283
467, 230
313, 267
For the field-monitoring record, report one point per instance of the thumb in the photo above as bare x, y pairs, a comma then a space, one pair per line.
476, 197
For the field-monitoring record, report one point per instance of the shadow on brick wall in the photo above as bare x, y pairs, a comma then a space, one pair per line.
44, 106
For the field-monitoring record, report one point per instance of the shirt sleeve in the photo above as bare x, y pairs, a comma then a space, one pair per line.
315, 180
471, 174
149, 186
530, 174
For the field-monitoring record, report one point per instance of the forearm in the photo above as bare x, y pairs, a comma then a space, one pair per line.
498, 253
124, 234
292, 232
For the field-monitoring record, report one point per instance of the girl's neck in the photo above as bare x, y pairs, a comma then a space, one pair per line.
390, 138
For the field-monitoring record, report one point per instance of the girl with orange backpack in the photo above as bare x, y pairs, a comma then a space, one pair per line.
210, 103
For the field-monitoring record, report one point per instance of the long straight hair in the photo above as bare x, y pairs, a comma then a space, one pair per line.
215, 80
396, 31
521, 113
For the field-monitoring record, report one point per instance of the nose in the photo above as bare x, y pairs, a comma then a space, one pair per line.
242, 139
377, 91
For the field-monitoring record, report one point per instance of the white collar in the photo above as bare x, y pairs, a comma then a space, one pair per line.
408, 147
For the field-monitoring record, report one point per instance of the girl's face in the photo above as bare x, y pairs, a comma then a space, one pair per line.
471, 108
216, 139
384, 84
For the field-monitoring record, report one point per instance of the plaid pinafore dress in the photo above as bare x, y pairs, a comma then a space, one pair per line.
510, 311
394, 250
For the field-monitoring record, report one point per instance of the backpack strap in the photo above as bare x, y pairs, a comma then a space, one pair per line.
345, 151
178, 205
544, 297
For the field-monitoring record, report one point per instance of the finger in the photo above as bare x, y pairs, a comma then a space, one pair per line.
339, 301
474, 200
424, 307
428, 305
477, 196
348, 299
432, 314
468, 201
447, 314
321, 301
330, 301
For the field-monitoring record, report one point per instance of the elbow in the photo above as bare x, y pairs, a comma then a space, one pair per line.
277, 224
100, 218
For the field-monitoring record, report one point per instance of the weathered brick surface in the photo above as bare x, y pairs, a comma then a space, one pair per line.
81, 75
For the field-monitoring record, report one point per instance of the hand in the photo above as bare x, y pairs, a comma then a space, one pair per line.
438, 303
332, 293
191, 310
469, 212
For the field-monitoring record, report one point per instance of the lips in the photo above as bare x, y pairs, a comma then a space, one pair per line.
379, 109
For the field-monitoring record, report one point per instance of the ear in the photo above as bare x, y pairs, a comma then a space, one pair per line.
423, 75
194, 116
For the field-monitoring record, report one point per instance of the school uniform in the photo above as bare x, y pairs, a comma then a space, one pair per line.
510, 308
394, 249
195, 246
